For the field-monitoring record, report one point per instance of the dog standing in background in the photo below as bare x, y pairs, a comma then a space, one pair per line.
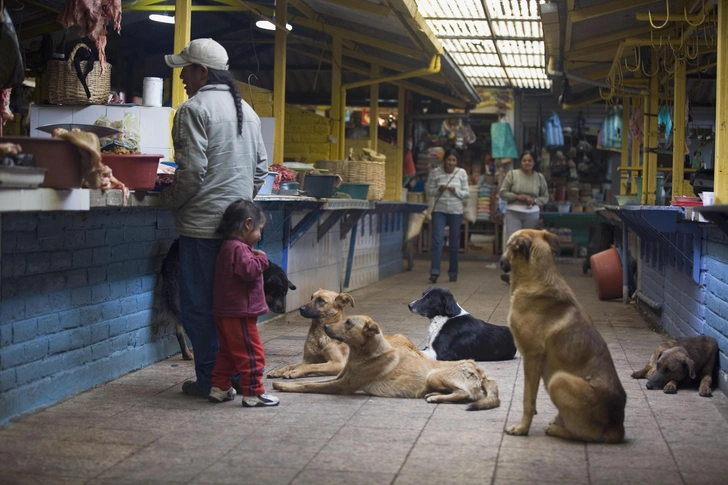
166, 296
561, 345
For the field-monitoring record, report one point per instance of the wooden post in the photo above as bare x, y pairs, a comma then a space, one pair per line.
182, 29
279, 82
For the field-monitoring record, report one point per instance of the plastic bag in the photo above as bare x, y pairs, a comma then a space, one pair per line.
612, 130
554, 132
12, 71
502, 142
127, 139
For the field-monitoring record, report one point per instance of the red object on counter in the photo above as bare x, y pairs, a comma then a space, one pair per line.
136, 171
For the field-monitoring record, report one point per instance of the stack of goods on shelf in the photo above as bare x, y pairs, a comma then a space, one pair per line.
487, 194
429, 159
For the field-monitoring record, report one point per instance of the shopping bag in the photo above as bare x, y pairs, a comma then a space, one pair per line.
554, 132
502, 142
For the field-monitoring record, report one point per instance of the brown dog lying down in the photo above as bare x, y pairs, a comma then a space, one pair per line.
395, 367
683, 360
321, 355
560, 344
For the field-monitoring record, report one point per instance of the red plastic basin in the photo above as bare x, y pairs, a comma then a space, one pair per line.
137, 172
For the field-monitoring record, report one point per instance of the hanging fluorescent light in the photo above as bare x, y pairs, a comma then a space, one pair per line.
165, 19
267, 25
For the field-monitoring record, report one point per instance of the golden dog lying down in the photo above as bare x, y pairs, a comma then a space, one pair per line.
560, 344
395, 367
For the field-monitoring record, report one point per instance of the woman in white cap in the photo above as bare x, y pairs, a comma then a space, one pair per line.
219, 149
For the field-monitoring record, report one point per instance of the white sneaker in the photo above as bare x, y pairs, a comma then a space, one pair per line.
218, 395
260, 401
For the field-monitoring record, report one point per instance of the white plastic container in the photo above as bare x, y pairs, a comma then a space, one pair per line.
153, 89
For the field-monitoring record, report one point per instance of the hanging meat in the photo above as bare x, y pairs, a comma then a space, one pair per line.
5, 113
91, 17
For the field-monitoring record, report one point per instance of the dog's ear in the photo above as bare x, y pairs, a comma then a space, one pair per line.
371, 328
522, 246
690, 367
342, 299
553, 241
451, 306
291, 286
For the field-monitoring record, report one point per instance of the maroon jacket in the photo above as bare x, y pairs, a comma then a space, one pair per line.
238, 289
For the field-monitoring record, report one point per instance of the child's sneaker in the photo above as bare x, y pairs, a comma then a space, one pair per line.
260, 401
218, 395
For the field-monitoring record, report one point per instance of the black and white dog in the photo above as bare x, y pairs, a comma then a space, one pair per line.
456, 335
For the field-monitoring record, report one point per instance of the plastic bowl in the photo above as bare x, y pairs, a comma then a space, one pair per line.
626, 199
355, 190
136, 171
320, 185
564, 207
267, 188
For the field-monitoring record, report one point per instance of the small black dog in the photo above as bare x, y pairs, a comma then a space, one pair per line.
166, 302
457, 335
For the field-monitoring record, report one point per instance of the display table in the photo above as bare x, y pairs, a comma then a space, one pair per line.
578, 222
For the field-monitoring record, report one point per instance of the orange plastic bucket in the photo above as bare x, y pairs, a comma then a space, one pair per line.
606, 270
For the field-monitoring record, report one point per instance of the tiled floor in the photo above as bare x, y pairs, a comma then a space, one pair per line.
142, 429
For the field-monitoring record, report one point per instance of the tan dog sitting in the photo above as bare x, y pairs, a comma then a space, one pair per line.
321, 355
560, 344
393, 366
682, 361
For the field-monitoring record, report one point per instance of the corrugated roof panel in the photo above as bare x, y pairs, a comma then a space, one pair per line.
512, 9
459, 28
469, 59
484, 46
489, 81
484, 71
525, 73
523, 60
447, 9
521, 47
508, 28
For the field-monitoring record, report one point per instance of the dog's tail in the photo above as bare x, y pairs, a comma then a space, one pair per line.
490, 400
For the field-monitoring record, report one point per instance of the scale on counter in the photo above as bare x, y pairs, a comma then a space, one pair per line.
100, 131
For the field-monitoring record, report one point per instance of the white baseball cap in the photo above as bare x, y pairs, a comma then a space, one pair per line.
205, 52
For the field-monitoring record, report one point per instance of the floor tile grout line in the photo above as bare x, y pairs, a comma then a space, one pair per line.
409, 452
508, 414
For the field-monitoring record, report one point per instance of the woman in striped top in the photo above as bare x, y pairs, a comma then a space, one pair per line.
449, 185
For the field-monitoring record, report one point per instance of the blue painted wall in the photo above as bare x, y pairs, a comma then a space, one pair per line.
76, 302
691, 308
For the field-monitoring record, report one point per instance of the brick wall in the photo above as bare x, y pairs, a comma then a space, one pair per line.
306, 135
261, 100
76, 300
691, 308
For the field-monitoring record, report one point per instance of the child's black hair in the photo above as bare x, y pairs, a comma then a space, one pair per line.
234, 217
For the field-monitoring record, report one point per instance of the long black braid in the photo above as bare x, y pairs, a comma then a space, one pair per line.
216, 76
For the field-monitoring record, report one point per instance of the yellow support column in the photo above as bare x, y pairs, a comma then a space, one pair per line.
678, 125
337, 148
634, 160
625, 146
182, 29
721, 108
401, 132
373, 110
649, 173
279, 82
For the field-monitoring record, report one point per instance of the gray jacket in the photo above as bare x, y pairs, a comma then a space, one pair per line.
217, 165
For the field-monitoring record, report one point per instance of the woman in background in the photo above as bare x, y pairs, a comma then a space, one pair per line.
526, 191
449, 186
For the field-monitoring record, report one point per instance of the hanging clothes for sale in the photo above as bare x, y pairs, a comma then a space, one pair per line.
502, 142
611, 133
554, 132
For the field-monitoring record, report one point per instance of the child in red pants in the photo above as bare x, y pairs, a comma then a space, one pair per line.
238, 300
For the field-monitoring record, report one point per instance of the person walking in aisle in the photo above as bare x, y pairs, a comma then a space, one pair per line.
526, 191
449, 185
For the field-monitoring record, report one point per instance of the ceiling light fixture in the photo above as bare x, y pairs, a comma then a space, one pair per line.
165, 19
267, 25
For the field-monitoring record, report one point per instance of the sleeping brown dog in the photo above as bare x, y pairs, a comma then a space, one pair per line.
560, 344
321, 355
395, 367
683, 360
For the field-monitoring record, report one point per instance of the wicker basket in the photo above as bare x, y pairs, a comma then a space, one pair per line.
65, 88
333, 166
370, 172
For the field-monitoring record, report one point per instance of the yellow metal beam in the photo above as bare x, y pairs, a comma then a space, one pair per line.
337, 112
363, 6
433, 68
613, 37
678, 125
623, 177
418, 24
195, 8
182, 29
634, 160
721, 108
374, 108
649, 180
672, 17
279, 82
591, 51
606, 9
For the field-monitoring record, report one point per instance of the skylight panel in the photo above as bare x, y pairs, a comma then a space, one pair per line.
484, 71
513, 29
512, 9
469, 59
459, 28
469, 45
460, 9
